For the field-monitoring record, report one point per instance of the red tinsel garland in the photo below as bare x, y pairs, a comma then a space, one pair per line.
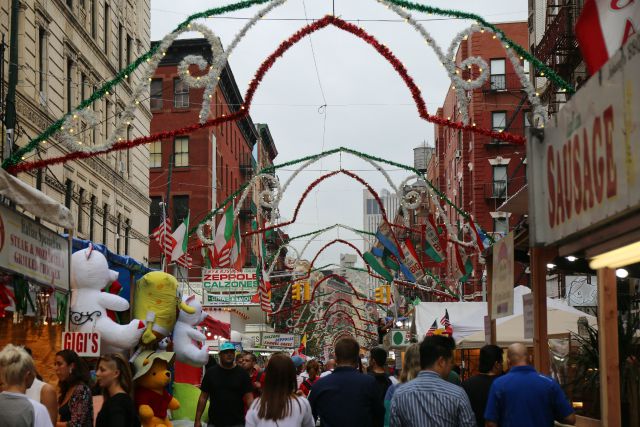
253, 86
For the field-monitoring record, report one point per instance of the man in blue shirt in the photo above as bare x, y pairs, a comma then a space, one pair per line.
524, 398
346, 397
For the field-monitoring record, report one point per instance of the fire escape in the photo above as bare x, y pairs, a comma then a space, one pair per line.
558, 49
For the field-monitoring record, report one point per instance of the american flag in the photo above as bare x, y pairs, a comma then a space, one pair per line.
445, 320
185, 260
432, 329
162, 235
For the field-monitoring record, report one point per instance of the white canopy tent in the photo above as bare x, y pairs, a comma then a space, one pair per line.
467, 320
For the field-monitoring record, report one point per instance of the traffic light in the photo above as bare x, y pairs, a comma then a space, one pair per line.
387, 291
307, 292
379, 295
295, 292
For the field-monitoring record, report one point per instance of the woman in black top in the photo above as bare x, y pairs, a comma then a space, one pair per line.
114, 376
75, 405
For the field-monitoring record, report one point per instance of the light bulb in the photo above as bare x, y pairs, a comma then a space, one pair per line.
622, 273
551, 266
571, 258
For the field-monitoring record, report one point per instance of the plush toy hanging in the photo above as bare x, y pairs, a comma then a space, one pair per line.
188, 343
156, 303
90, 274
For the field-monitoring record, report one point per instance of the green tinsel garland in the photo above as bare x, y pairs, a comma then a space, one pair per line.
549, 73
16, 157
55, 127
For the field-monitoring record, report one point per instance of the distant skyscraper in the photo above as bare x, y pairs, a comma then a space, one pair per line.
372, 214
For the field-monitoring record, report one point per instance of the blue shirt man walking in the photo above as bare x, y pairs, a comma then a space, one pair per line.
346, 397
525, 398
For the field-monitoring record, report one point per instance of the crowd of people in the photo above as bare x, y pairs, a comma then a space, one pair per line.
292, 392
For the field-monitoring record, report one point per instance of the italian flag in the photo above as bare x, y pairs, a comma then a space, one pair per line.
227, 243
180, 240
463, 265
432, 246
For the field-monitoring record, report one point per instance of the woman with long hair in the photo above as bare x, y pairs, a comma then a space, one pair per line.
279, 406
313, 370
114, 376
410, 370
75, 404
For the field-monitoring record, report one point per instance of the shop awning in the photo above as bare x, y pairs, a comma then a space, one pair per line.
34, 201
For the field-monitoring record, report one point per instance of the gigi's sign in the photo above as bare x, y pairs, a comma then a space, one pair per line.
586, 171
86, 344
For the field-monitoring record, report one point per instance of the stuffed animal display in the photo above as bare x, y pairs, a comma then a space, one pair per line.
90, 274
150, 380
188, 343
157, 302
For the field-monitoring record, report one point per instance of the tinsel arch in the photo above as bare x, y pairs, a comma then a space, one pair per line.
221, 58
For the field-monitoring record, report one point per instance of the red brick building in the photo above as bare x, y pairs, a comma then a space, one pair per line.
207, 165
476, 172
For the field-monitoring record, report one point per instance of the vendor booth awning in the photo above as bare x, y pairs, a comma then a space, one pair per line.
467, 319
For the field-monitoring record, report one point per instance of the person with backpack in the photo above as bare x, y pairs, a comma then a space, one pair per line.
377, 363
313, 372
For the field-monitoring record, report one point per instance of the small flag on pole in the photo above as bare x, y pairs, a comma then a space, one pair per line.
162, 235
432, 330
445, 319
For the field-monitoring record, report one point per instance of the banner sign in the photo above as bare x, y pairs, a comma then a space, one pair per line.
86, 344
527, 312
399, 337
33, 250
228, 299
502, 278
229, 280
587, 170
278, 340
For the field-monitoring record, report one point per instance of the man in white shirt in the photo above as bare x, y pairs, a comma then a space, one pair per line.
329, 367
18, 373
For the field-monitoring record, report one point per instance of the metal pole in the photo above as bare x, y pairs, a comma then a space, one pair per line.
165, 209
2, 48
10, 104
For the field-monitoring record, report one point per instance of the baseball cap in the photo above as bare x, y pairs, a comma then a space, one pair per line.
297, 361
227, 346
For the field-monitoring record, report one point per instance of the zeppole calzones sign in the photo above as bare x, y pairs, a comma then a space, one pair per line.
587, 169
226, 286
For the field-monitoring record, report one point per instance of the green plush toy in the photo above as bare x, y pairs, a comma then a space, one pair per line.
188, 396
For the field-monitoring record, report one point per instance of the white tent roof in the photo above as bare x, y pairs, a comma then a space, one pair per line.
34, 201
467, 319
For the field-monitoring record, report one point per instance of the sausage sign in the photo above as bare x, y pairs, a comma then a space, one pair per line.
86, 344
587, 169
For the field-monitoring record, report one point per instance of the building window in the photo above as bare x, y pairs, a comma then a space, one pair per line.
42, 60
118, 234
83, 85
81, 215
69, 85
128, 55
181, 151
498, 122
500, 181
105, 24
120, 37
94, 13
92, 212
498, 74
107, 119
156, 94
180, 209
155, 213
127, 228
105, 224
70, 4
180, 94
373, 208
501, 225
155, 154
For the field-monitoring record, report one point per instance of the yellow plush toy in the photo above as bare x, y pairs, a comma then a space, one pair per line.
151, 378
156, 303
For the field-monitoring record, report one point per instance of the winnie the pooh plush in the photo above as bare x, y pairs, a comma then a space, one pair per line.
90, 274
151, 378
156, 302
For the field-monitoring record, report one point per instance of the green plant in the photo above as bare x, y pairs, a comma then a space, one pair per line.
587, 362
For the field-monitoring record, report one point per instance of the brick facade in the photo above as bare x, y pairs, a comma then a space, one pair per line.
219, 158
474, 171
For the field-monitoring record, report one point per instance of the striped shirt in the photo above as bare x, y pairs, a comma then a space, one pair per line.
430, 401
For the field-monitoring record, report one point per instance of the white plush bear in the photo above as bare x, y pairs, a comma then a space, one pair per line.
184, 335
90, 274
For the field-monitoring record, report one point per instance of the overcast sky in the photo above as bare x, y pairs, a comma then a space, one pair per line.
369, 108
